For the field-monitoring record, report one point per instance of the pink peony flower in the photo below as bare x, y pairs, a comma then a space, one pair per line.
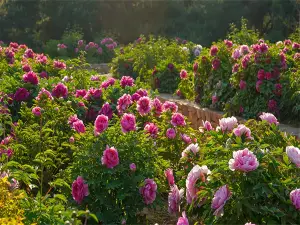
287, 42
6, 140
296, 45
151, 129
80, 93
29, 53
135, 97
183, 220
106, 110
192, 148
44, 74
171, 133
60, 90
216, 63
101, 124
178, 120
31, 77
99, 50
79, 189
242, 130
243, 160
110, 157
244, 49
72, 119
295, 198
220, 198
59, 65
21, 95
157, 106
214, 50
128, 122
186, 138
71, 139
126, 81
123, 103
44, 94
174, 199
93, 94
227, 124
207, 125
183, 74
148, 191
143, 106
194, 175
294, 155
269, 117
37, 111
268, 75
142, 92
228, 43
41, 58
170, 177
170, 106
214, 99
243, 85
236, 54
258, 84
235, 68
107, 83
26, 68
245, 61
132, 167
195, 67
79, 126
263, 48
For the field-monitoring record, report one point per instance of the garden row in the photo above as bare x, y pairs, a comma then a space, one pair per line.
76, 148
231, 76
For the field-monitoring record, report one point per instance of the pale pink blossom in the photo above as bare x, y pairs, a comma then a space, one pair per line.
124, 102
44, 94
174, 199
183, 220
242, 130
219, 200
207, 125
294, 155
192, 148
243, 160
295, 198
227, 124
269, 117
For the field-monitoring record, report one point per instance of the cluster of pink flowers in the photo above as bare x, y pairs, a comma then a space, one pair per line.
79, 189
148, 191
243, 160
59, 65
76, 124
110, 157
294, 155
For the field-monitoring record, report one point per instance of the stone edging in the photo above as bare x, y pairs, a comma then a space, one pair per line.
196, 114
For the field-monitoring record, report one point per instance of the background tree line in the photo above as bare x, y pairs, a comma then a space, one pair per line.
34, 22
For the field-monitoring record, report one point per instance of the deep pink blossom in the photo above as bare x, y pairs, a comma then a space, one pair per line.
126, 81
170, 177
174, 199
243, 160
186, 138
26, 68
235, 68
123, 103
106, 110
220, 198
243, 85
294, 155
295, 198
214, 99
41, 58
258, 84
79, 126
287, 42
261, 74
171, 133
195, 67
31, 77
263, 48
148, 191
157, 106
296, 45
151, 129
37, 111
44, 94
72, 119
178, 120
245, 61
207, 125
268, 75
183, 220
29, 53
59, 65
60, 90
44, 74
110, 82
214, 50
93, 94
170, 106
80, 93
79, 190
216, 63
110, 157
21, 95
228, 43
143, 106
132, 167
272, 105
183, 74
128, 123
236, 54
101, 124
244, 49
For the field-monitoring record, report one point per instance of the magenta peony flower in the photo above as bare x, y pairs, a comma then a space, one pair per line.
244, 49
107, 83
278, 89
93, 94
128, 122
214, 50
269, 117
268, 75
26, 68
227, 124
21, 95
151, 129
287, 42
243, 85
37, 111
135, 97
80, 93
174, 199
296, 45
216, 63
143, 106
41, 58
183, 74
106, 110
235, 68
220, 198
236, 54
214, 99
44, 74
170, 66
183, 220
6, 140
142, 92
110, 157
157, 106
186, 138
123, 103
207, 125
100, 125
126, 81
30, 77
59, 65
243, 160
295, 198
258, 84
242, 130
245, 61
294, 155
132, 167
192, 148
263, 48
194, 175
148, 191
178, 120
72, 119
170, 177
80, 43
170, 106
228, 43
60, 90
171, 133
79, 126
79, 189
99, 50
272, 105
195, 67
29, 53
